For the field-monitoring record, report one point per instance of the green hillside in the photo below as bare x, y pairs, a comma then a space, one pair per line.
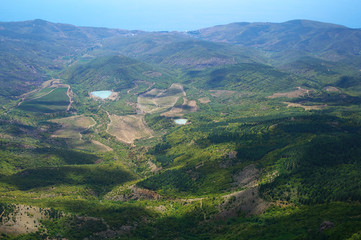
298, 36
116, 72
271, 147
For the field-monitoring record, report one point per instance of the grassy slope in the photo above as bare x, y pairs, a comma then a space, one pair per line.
117, 73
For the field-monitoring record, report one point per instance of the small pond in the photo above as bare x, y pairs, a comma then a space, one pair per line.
181, 121
102, 94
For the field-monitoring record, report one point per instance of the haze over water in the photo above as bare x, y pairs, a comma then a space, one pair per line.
161, 15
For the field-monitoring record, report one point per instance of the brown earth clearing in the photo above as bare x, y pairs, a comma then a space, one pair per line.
179, 111
24, 219
332, 89
307, 108
221, 93
72, 126
129, 128
152, 74
293, 94
246, 200
204, 100
158, 100
71, 129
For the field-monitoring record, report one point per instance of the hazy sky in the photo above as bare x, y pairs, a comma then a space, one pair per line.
179, 14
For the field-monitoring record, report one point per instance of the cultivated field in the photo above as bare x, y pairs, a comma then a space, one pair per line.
128, 128
293, 94
71, 129
72, 126
204, 100
307, 108
179, 111
221, 93
47, 101
157, 100
43, 92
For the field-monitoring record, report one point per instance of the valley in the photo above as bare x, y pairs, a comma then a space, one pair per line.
182, 135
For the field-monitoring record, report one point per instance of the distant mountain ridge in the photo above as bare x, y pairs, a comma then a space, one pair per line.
323, 39
305, 35
31, 50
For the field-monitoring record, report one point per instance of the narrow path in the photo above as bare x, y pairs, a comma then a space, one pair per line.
109, 117
68, 93
136, 86
23, 99
43, 95
110, 121
2, 213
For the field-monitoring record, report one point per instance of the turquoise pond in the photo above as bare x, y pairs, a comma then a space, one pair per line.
102, 94
181, 121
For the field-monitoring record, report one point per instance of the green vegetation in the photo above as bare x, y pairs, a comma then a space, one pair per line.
55, 101
271, 149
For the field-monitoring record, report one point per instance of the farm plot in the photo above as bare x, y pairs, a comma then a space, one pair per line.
180, 110
47, 101
221, 93
300, 92
307, 108
157, 100
128, 128
43, 92
71, 129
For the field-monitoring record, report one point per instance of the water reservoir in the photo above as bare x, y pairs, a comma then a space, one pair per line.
181, 121
102, 94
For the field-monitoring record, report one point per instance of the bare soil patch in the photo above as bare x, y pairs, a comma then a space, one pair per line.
331, 89
70, 94
71, 130
114, 96
153, 167
73, 126
152, 74
24, 219
179, 111
132, 193
102, 146
307, 108
247, 200
220, 93
157, 100
204, 100
247, 177
293, 94
129, 128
